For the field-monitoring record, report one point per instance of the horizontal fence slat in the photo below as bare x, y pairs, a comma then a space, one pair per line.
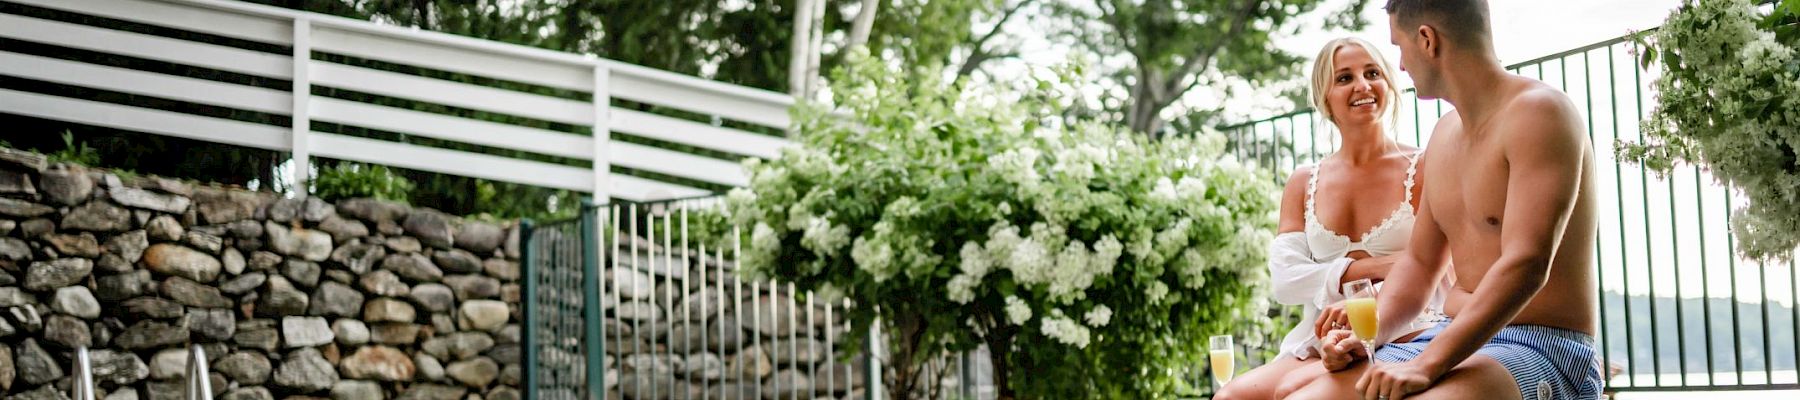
463, 95
454, 162
144, 120
696, 134
669, 89
145, 46
485, 166
454, 59
640, 190
267, 29
637, 156
451, 128
145, 83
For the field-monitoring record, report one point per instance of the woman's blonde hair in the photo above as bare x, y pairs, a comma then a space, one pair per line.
1326, 63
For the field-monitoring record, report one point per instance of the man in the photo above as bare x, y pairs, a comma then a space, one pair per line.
1512, 206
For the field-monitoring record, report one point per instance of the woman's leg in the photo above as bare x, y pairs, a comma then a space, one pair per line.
1260, 383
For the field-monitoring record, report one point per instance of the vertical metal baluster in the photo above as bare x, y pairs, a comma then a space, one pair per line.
637, 328
84, 375
668, 258
1737, 336
812, 341
1794, 303
1705, 272
793, 335
613, 265
831, 351
687, 272
756, 296
1624, 258
1768, 353
719, 287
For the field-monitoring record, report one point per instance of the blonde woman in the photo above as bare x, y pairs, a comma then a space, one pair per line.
1344, 219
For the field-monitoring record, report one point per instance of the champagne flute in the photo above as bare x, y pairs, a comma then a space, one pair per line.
1360, 307
1222, 361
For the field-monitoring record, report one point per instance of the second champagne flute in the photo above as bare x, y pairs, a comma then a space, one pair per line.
1361, 309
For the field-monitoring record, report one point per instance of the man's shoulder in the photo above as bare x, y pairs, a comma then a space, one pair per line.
1540, 109
1536, 100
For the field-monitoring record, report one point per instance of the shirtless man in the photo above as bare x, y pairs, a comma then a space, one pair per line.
1513, 207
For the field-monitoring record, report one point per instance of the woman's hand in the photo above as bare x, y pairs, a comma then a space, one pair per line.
1331, 317
1340, 348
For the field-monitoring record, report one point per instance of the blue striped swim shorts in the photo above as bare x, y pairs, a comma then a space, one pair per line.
1533, 354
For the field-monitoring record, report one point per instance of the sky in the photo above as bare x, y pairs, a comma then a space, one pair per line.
1523, 30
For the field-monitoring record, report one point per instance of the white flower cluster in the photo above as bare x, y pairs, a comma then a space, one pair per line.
1098, 316
1016, 311
1189, 190
1065, 267
823, 238
1065, 330
1018, 166
1079, 163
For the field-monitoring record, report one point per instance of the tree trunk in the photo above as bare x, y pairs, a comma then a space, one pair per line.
999, 347
865, 20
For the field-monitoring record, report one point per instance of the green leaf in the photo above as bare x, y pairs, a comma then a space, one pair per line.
1792, 6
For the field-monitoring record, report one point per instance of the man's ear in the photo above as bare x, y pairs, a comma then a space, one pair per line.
1431, 42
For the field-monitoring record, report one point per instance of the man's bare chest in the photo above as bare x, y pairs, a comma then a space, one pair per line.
1467, 186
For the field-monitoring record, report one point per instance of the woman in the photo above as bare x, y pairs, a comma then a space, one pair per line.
1345, 219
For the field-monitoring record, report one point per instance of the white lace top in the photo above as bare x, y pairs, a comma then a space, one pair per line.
1306, 267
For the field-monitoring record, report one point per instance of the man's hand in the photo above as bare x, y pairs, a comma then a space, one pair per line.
1339, 348
1395, 381
1330, 318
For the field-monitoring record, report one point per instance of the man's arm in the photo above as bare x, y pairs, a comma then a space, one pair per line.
1544, 150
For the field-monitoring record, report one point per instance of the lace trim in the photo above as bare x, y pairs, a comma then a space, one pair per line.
1405, 208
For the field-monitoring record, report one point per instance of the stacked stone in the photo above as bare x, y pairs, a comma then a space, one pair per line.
677, 327
289, 298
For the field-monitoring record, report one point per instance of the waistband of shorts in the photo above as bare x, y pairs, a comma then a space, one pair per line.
1537, 329
1552, 331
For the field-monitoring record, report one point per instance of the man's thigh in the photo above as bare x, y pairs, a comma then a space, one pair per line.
1313, 382
1479, 377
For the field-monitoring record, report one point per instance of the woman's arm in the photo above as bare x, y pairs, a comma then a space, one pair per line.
1297, 278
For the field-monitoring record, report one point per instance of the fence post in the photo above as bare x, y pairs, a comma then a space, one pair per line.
602, 132
528, 340
299, 145
590, 299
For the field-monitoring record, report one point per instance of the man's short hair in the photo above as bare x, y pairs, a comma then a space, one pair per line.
1462, 21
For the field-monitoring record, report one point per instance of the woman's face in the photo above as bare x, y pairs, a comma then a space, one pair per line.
1358, 90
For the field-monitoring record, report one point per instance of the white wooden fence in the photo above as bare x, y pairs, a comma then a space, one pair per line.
307, 33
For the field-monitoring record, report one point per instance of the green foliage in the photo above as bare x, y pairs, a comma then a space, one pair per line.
1727, 103
1092, 261
75, 153
1180, 45
351, 180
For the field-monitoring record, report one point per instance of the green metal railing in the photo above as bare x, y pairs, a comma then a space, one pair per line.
621, 303
561, 346
1664, 242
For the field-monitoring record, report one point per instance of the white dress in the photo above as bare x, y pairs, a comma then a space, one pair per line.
1307, 267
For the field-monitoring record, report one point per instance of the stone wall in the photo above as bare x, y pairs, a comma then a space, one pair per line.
290, 298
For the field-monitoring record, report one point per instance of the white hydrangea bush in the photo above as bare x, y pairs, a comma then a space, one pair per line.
1092, 257
1727, 102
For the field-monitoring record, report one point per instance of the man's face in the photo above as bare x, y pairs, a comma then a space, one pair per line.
1412, 57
